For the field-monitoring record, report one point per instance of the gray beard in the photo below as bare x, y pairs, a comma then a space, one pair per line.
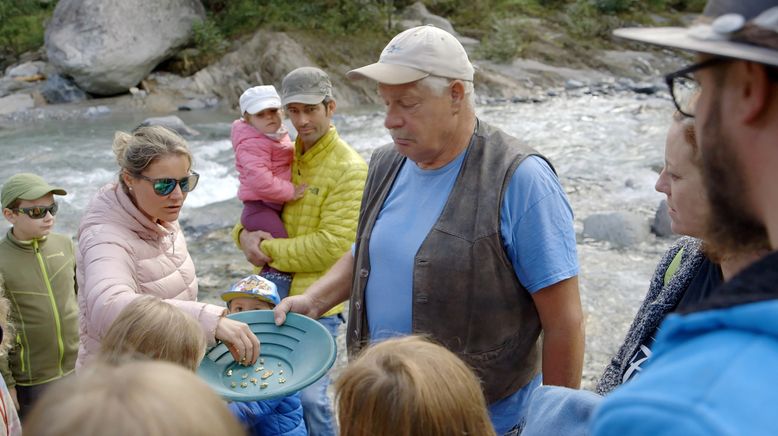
732, 226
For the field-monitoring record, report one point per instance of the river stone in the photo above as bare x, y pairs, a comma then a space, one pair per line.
16, 103
26, 69
621, 229
661, 225
172, 122
58, 89
108, 46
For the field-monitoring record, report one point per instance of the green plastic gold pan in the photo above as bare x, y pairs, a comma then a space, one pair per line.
292, 357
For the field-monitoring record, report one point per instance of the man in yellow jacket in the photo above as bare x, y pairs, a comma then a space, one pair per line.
322, 224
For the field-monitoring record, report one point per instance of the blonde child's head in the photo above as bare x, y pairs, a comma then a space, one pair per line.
251, 293
261, 107
410, 386
131, 398
5, 324
153, 328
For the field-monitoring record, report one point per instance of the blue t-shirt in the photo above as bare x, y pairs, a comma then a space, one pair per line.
537, 231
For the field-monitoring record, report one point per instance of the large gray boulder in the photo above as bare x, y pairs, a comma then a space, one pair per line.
108, 46
621, 229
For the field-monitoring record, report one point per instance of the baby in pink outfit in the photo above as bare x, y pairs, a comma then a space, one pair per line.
263, 158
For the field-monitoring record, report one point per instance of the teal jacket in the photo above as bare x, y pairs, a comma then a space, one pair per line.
40, 283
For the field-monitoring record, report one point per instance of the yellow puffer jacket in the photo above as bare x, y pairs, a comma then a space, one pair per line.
322, 224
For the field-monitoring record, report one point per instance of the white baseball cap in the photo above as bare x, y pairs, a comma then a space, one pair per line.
255, 100
415, 54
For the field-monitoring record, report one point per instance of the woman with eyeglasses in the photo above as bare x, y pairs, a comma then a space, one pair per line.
130, 243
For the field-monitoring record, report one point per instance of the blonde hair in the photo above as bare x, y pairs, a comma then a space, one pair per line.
137, 150
5, 322
136, 397
410, 386
155, 329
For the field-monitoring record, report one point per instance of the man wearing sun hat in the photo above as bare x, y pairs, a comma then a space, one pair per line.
321, 224
37, 271
465, 235
713, 368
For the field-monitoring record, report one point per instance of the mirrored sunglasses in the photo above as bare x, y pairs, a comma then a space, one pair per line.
165, 186
38, 212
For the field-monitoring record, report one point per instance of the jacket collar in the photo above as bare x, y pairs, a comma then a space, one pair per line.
756, 283
25, 245
319, 149
113, 205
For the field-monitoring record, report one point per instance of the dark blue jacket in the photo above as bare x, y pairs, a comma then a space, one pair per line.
279, 417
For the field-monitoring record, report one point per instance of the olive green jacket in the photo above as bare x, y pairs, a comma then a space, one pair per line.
40, 283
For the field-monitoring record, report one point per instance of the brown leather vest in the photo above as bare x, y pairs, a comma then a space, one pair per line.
465, 293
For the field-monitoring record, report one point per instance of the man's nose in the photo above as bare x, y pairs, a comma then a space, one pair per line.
392, 119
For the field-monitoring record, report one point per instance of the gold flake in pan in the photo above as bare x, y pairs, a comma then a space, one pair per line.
263, 386
233, 385
244, 385
259, 368
229, 373
281, 380
253, 380
266, 374
244, 376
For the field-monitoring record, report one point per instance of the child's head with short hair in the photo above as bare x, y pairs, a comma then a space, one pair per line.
131, 398
251, 293
261, 107
410, 386
153, 328
28, 204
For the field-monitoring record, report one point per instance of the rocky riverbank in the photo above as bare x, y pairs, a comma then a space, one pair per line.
63, 80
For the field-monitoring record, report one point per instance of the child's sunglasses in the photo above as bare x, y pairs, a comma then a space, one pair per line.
165, 186
38, 212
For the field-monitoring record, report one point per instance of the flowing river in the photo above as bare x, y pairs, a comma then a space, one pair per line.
606, 149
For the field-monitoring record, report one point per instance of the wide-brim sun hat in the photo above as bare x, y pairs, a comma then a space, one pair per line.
726, 30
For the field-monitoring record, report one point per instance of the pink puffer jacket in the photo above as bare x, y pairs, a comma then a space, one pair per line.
121, 254
264, 164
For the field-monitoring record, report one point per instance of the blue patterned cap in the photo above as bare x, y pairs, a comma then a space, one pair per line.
253, 286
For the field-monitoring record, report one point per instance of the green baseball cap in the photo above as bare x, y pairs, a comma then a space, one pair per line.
307, 85
27, 186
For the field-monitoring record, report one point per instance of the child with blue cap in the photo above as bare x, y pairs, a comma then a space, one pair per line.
283, 416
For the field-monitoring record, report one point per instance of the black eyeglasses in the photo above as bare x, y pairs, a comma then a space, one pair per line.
165, 186
38, 212
683, 85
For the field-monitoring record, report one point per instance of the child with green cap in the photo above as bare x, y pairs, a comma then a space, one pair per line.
38, 267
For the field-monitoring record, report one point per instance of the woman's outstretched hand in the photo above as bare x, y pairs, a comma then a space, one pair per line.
240, 340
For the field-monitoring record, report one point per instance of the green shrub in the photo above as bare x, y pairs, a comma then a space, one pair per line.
21, 25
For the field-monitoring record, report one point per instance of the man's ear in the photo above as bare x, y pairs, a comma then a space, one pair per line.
456, 91
331, 105
755, 90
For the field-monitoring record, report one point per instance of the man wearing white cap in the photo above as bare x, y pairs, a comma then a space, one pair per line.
464, 235
713, 367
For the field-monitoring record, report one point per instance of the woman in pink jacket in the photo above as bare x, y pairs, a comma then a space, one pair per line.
130, 243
